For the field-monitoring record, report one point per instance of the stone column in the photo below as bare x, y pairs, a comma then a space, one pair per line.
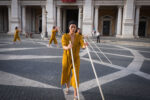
119, 21
59, 19
19, 15
128, 19
9, 19
80, 17
50, 15
23, 19
43, 22
87, 17
137, 21
14, 15
64, 21
96, 18
54, 16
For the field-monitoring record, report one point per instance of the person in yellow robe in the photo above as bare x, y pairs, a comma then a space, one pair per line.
53, 36
16, 35
67, 67
79, 31
80, 34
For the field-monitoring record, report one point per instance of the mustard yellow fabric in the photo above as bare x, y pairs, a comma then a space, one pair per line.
67, 67
16, 35
53, 37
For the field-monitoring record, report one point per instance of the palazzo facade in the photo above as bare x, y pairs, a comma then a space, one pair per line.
120, 18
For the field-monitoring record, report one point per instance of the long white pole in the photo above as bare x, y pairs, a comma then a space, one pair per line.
101, 52
101, 92
74, 72
95, 52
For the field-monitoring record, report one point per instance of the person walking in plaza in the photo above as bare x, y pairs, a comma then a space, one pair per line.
98, 37
16, 35
67, 65
53, 36
93, 33
79, 31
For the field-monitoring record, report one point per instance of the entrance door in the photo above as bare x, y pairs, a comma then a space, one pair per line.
33, 19
142, 28
71, 14
3, 19
106, 28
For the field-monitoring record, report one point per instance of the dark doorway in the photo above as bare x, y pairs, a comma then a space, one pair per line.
106, 28
142, 28
33, 19
71, 14
40, 24
4, 19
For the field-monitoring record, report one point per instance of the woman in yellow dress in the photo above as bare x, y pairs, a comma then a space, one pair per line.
79, 31
53, 36
16, 35
67, 68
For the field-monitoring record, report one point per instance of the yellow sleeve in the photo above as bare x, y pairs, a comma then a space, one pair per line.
64, 40
53, 30
81, 41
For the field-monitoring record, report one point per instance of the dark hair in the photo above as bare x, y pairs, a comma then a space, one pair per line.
80, 30
16, 27
54, 27
72, 22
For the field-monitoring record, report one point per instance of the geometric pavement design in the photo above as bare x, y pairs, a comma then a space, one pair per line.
133, 67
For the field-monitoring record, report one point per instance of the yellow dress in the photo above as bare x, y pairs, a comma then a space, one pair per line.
16, 35
67, 67
53, 37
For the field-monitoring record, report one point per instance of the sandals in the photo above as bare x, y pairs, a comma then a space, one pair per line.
67, 91
75, 98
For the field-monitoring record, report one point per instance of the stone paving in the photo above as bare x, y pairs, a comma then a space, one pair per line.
31, 71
